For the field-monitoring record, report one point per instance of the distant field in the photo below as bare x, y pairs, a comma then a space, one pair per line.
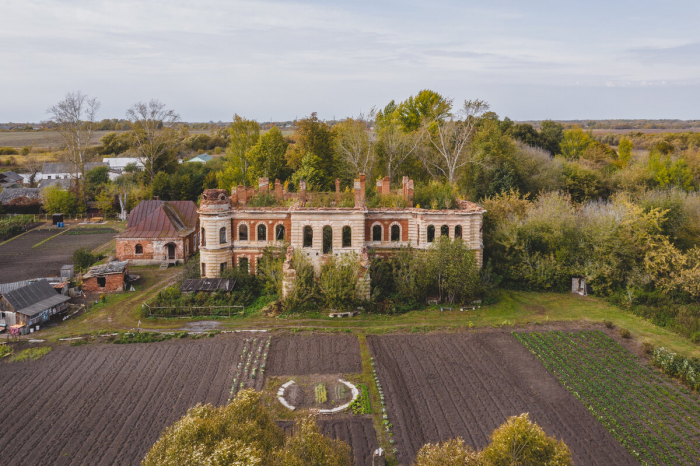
43, 139
646, 131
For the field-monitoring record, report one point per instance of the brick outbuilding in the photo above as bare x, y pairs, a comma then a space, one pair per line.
160, 232
106, 278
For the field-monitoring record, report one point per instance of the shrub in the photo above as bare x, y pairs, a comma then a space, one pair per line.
5, 350
31, 353
674, 365
520, 441
608, 324
452, 452
624, 333
337, 282
647, 347
83, 258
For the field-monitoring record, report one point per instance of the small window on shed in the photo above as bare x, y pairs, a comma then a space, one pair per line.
431, 233
347, 237
458, 231
308, 236
262, 232
444, 230
222, 235
138, 249
279, 232
377, 233
395, 233
101, 282
243, 232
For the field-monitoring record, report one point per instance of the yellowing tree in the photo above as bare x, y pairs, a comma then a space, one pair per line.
522, 442
450, 453
624, 152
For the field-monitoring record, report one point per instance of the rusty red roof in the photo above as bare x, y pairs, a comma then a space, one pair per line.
161, 219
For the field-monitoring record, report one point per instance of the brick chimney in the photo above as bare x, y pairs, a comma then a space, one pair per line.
337, 192
263, 184
278, 189
360, 191
386, 185
379, 185
408, 191
242, 194
302, 191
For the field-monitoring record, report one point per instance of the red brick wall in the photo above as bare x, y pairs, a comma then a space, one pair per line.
126, 249
113, 282
253, 228
386, 229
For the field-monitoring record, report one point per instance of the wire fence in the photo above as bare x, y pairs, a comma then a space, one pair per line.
193, 311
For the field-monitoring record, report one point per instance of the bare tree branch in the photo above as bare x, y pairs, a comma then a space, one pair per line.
155, 136
75, 118
355, 144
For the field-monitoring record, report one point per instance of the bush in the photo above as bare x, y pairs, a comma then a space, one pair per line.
520, 441
243, 432
58, 200
608, 324
449, 453
83, 258
624, 333
647, 347
674, 365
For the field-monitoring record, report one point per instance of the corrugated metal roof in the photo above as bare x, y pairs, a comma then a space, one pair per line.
208, 284
9, 176
34, 298
161, 219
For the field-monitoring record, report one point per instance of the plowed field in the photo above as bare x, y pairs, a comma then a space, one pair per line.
20, 260
314, 354
357, 432
107, 404
439, 387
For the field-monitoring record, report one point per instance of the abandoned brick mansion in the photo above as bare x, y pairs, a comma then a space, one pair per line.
234, 232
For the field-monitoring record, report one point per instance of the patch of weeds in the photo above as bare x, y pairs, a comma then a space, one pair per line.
147, 337
79, 343
608, 324
624, 333
31, 353
5, 350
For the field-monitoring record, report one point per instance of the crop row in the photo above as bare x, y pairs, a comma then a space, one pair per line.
251, 364
656, 421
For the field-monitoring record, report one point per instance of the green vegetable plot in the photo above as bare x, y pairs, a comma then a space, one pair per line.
657, 421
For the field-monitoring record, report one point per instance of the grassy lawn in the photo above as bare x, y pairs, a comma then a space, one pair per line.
121, 312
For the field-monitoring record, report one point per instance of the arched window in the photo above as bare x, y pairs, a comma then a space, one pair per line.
395, 233
243, 263
377, 233
327, 239
138, 249
444, 230
279, 232
262, 232
204, 237
308, 236
347, 237
458, 231
222, 235
243, 232
431, 233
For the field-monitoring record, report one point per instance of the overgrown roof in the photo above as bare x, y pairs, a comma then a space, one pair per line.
8, 195
208, 284
111, 268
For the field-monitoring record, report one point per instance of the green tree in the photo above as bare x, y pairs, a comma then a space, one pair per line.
624, 151
95, 181
114, 144
313, 147
60, 201
338, 280
106, 202
83, 258
551, 136
267, 157
575, 142
667, 172
581, 183
312, 170
426, 104
521, 442
243, 135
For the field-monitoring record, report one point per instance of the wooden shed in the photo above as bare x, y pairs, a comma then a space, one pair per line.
31, 305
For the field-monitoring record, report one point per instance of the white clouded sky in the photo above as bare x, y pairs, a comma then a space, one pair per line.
280, 60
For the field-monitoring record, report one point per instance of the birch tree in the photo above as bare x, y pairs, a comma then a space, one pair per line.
450, 138
155, 137
355, 145
394, 144
75, 119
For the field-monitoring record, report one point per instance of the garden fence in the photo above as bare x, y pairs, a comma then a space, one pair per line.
191, 311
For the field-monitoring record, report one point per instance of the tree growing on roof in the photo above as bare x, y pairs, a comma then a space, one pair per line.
75, 118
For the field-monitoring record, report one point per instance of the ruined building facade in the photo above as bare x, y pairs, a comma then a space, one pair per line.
234, 233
